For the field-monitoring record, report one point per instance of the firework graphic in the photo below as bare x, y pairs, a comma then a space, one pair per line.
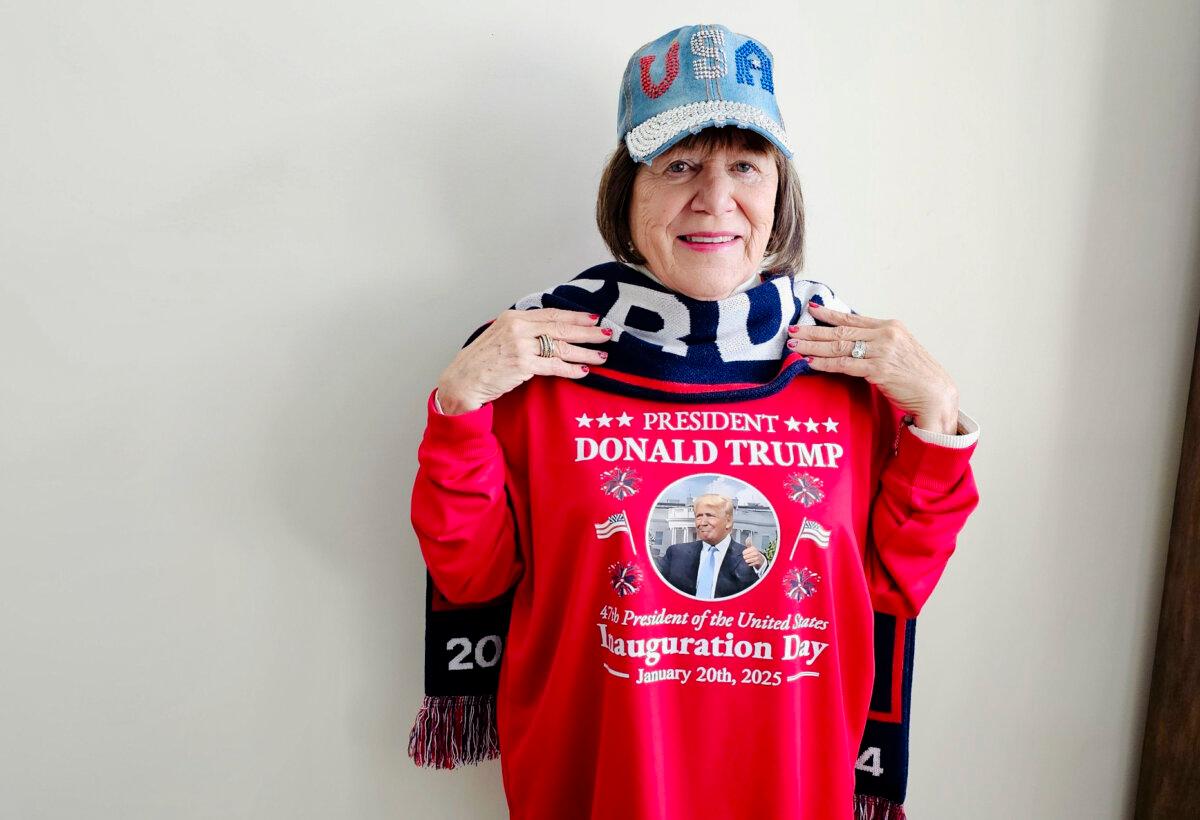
626, 578
620, 482
799, 584
804, 489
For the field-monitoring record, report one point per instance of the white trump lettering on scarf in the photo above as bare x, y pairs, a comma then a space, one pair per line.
733, 336
733, 316
677, 323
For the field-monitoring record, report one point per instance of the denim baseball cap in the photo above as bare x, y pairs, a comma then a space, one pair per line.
693, 78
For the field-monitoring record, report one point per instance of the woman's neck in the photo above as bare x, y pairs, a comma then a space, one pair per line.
755, 278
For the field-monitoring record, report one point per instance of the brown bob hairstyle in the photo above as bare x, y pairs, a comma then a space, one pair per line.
785, 248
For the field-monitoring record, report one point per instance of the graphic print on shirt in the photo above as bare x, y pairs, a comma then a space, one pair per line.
800, 583
626, 577
620, 482
711, 536
713, 540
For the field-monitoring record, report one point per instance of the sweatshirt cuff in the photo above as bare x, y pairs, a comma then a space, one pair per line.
931, 465
452, 428
968, 433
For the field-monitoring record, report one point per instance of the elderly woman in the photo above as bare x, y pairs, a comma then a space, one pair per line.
562, 435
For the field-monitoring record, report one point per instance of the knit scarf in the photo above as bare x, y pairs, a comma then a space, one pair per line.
666, 346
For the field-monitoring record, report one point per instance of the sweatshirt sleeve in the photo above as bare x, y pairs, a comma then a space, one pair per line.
925, 493
460, 507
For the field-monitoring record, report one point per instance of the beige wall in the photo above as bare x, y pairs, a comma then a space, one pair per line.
239, 240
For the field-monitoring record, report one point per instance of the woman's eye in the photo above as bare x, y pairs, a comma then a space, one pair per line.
677, 167
744, 167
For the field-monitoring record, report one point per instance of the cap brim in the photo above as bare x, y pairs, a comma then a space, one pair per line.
661, 131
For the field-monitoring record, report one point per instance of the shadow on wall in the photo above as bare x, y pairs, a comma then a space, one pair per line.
1124, 338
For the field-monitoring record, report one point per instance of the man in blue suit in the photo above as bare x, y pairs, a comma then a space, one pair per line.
716, 566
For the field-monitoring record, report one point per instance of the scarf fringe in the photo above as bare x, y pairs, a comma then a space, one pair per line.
869, 807
454, 730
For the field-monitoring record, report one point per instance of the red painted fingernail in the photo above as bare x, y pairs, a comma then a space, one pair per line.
792, 343
593, 316
813, 304
607, 331
793, 328
603, 355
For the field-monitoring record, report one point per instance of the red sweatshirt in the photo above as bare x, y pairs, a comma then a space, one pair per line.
647, 676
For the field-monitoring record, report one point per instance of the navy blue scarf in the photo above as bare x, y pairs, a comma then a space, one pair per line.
667, 346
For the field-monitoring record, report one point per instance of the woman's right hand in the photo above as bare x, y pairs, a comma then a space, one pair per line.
506, 355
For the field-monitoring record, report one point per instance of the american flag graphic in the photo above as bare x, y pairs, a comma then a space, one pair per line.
814, 532
612, 525
811, 531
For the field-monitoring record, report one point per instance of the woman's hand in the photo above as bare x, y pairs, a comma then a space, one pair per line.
507, 354
894, 362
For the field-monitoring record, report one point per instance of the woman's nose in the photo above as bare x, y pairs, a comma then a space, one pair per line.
714, 193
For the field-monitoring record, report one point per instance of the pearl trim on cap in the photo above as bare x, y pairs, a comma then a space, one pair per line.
659, 129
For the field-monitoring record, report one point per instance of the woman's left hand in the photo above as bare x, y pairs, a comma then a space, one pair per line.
893, 361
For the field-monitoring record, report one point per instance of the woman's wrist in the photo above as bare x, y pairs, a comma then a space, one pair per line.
450, 403
940, 419
942, 424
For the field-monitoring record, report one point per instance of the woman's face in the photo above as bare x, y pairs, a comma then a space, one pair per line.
702, 217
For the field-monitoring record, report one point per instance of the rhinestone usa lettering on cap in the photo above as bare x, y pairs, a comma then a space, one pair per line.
750, 55
654, 90
661, 101
709, 63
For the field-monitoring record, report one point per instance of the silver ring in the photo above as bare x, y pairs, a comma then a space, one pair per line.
547, 344
859, 351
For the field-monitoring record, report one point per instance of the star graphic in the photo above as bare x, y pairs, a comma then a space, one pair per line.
811, 426
624, 420
583, 421
792, 425
604, 420
830, 425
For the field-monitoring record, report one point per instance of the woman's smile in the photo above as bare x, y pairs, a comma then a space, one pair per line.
709, 242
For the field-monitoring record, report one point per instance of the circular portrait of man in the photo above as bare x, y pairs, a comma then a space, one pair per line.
712, 536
